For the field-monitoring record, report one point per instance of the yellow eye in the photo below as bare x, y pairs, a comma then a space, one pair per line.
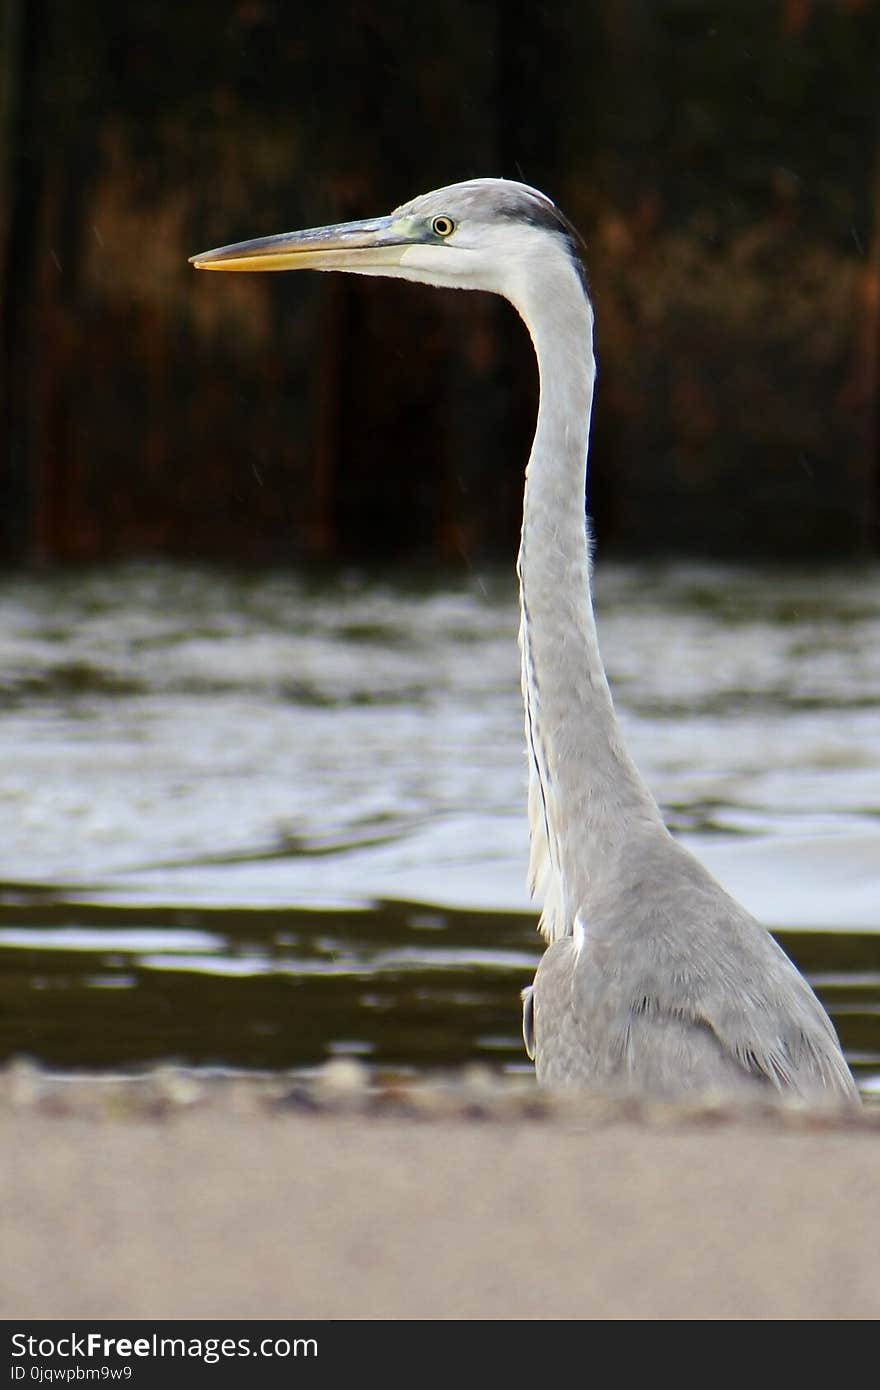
443, 226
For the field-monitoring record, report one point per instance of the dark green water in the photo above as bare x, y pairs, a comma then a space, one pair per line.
399, 985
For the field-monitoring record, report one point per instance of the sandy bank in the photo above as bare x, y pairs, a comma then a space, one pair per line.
173, 1198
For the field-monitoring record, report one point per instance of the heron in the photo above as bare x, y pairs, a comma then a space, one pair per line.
654, 979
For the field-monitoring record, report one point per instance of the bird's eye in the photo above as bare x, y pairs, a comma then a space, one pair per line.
443, 226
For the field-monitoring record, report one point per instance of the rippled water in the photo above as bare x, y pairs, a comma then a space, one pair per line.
253, 820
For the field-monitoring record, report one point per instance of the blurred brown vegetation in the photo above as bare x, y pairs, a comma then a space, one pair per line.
722, 159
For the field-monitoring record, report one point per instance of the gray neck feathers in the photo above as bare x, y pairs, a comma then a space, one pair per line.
585, 794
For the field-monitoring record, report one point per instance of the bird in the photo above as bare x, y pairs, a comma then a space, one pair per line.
654, 981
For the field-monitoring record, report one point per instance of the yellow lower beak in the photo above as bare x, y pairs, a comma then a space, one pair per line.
347, 246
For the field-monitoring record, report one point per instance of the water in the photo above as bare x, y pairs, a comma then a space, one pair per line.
253, 821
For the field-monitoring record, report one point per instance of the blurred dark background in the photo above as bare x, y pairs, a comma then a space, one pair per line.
722, 160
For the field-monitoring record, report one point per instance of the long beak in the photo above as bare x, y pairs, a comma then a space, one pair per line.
379, 241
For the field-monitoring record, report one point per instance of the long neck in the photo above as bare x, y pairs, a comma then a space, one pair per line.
585, 792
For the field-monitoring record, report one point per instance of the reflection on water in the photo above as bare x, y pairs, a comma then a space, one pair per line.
176, 744
262, 989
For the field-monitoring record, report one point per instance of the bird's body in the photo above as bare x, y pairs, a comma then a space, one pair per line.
654, 979
670, 987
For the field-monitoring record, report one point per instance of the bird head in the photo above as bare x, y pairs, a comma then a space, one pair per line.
485, 234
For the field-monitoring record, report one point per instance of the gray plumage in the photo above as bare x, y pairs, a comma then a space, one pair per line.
672, 988
654, 979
